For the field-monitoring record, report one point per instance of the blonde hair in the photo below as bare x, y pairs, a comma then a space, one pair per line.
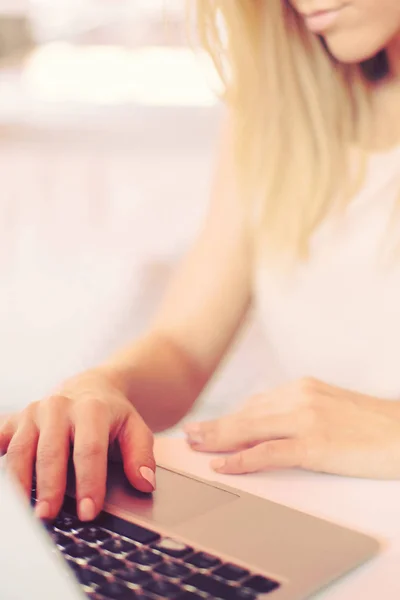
297, 115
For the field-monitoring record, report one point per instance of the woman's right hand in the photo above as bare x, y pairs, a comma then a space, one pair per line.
90, 412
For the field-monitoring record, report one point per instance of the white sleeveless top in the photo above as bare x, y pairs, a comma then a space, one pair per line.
337, 317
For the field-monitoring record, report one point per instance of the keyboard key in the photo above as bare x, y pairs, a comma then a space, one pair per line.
129, 530
261, 585
144, 557
173, 548
116, 591
231, 572
133, 575
88, 577
201, 560
165, 589
77, 550
116, 546
211, 586
189, 596
243, 593
93, 534
173, 570
67, 524
106, 563
60, 539
73, 565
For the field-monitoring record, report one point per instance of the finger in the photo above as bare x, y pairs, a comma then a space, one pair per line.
52, 456
7, 430
136, 444
21, 453
221, 435
239, 431
91, 439
280, 454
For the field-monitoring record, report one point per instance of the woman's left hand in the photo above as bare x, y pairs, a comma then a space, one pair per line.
308, 425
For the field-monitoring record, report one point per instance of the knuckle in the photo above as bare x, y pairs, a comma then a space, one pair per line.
89, 450
56, 401
29, 412
55, 406
149, 444
308, 387
274, 454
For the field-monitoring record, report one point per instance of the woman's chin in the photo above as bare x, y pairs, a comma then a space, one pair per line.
347, 52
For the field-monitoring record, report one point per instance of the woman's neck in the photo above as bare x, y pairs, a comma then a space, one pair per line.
393, 53
385, 123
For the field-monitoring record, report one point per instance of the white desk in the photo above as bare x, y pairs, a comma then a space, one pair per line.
370, 506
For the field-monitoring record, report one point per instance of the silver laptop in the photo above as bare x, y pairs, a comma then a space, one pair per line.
191, 540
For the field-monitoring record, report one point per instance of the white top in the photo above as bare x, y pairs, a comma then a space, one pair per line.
337, 317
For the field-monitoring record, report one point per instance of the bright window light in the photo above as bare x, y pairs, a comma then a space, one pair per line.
114, 75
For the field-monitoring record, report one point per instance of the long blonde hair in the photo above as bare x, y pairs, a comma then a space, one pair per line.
297, 114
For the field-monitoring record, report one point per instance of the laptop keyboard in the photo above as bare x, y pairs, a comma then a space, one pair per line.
115, 559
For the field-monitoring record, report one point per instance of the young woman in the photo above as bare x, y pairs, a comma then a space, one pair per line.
303, 222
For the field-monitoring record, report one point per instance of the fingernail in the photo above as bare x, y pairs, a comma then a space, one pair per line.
42, 510
218, 463
87, 510
195, 438
149, 476
194, 433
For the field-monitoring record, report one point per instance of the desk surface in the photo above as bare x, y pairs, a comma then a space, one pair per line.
370, 506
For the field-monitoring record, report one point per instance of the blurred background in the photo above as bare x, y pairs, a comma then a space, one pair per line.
105, 100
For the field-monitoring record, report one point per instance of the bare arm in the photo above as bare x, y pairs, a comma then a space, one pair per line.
203, 309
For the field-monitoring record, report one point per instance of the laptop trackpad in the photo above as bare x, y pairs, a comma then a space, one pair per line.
178, 498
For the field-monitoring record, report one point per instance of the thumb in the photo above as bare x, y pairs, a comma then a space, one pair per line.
136, 444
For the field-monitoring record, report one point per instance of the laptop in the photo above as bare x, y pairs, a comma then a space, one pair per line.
190, 540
